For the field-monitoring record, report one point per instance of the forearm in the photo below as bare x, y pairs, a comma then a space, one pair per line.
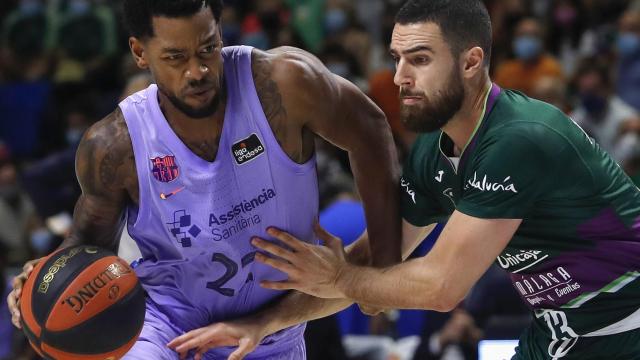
280, 315
379, 192
410, 285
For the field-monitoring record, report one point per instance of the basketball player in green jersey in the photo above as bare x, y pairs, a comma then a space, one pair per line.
517, 182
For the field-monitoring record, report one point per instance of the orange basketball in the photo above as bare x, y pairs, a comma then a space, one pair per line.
82, 303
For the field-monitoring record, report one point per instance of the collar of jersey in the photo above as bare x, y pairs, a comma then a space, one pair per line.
492, 87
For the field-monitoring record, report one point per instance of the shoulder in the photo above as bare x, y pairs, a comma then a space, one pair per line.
519, 122
109, 133
292, 69
105, 152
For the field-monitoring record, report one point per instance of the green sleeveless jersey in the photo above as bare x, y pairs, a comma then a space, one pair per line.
575, 259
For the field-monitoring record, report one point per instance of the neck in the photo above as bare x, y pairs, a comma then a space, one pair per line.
461, 127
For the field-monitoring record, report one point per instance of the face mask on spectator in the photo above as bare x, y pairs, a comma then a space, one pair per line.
41, 240
335, 20
527, 47
73, 136
628, 44
594, 104
30, 6
79, 7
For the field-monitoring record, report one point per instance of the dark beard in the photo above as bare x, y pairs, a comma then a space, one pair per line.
436, 113
198, 113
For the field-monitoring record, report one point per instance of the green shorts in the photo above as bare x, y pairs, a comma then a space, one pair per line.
536, 345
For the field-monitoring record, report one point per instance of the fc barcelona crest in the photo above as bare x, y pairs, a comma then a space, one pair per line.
165, 168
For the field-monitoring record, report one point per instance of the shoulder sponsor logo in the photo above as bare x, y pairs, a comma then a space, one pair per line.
407, 187
247, 149
486, 185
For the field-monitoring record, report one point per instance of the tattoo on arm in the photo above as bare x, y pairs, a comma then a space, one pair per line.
106, 171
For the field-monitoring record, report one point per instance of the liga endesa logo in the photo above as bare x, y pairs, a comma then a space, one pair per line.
247, 149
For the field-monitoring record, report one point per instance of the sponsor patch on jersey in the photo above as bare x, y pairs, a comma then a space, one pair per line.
164, 168
247, 149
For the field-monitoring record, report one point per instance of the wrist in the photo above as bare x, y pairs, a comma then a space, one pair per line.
264, 324
342, 280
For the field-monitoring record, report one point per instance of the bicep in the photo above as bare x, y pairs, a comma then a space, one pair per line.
101, 166
466, 248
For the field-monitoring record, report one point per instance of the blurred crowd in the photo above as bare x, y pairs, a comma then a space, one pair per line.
65, 64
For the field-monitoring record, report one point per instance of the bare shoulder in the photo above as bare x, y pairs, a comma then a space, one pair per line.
105, 160
293, 68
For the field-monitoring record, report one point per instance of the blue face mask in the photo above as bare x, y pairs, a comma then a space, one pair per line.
79, 7
41, 241
594, 104
30, 7
73, 136
527, 47
628, 44
335, 20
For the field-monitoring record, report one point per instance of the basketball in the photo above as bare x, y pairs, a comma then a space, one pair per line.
82, 303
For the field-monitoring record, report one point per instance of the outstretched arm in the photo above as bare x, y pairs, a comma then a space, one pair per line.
293, 309
439, 281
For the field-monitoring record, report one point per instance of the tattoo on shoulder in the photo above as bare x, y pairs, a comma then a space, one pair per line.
106, 160
268, 93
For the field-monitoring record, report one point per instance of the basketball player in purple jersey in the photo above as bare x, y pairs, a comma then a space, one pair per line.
219, 148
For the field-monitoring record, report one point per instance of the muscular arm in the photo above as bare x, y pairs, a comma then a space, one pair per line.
308, 308
300, 96
105, 169
440, 280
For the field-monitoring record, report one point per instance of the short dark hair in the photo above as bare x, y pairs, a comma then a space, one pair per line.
138, 14
464, 23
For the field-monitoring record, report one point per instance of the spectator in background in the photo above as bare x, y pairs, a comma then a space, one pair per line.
552, 90
25, 91
51, 182
567, 31
628, 45
86, 38
17, 214
600, 112
384, 93
532, 61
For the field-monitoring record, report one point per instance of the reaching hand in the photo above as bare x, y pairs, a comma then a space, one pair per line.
312, 269
13, 300
242, 333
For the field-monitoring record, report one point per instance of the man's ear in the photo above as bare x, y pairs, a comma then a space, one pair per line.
473, 62
138, 52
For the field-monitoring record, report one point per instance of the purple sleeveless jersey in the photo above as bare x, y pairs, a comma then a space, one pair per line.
196, 218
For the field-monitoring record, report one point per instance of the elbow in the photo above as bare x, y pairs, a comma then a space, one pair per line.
444, 297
